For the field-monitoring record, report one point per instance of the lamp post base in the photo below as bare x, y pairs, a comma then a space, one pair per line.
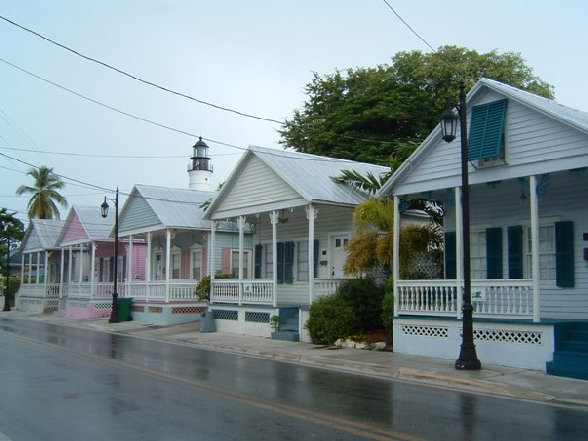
468, 360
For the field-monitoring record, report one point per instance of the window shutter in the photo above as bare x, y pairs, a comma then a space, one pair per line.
487, 130
226, 261
515, 252
494, 253
280, 262
289, 262
450, 256
257, 265
316, 257
564, 254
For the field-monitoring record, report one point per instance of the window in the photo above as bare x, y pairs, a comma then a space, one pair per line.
196, 272
486, 138
302, 260
478, 254
246, 263
105, 267
175, 264
546, 252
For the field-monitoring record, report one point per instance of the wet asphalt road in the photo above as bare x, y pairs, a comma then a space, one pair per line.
63, 383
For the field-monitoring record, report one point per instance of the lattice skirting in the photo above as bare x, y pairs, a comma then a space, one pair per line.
525, 345
428, 331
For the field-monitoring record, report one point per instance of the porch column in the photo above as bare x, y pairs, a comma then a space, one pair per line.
148, 266
38, 265
458, 250
92, 263
81, 265
69, 272
396, 254
22, 263
130, 260
61, 269
30, 266
211, 248
46, 279
241, 226
167, 260
274, 216
311, 214
535, 246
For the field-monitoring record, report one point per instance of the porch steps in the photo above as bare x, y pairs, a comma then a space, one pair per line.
570, 358
288, 325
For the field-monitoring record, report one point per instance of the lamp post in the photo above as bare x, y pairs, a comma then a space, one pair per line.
104, 213
468, 359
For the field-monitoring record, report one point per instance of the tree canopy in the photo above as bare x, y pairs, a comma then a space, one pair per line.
45, 195
373, 114
11, 230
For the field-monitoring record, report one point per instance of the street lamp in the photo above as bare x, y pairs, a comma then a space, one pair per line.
104, 213
468, 359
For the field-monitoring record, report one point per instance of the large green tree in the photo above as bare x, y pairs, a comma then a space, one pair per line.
11, 233
371, 114
44, 193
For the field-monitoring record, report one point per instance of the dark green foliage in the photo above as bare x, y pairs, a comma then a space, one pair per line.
365, 297
388, 306
375, 114
331, 318
202, 290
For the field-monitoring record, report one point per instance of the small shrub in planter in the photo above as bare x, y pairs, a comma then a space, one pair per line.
331, 318
202, 290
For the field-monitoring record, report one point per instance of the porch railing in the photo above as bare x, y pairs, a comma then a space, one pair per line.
490, 298
40, 290
261, 292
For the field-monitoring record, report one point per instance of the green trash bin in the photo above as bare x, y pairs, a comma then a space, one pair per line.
124, 309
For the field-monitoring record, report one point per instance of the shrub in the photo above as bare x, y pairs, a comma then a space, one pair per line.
331, 318
388, 307
202, 290
365, 297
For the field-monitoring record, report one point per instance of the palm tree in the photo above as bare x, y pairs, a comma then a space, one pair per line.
371, 244
42, 204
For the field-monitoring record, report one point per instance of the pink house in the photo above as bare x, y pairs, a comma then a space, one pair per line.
87, 262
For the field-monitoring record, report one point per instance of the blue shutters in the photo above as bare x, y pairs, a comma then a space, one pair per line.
257, 265
515, 252
280, 262
316, 257
289, 262
487, 131
450, 256
494, 253
564, 254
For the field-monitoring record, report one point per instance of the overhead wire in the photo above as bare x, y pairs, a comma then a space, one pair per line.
150, 83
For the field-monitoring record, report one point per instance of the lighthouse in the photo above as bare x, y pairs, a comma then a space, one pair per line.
200, 169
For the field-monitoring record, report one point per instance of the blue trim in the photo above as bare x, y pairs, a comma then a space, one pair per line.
486, 137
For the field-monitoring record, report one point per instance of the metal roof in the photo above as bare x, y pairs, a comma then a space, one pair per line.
309, 175
572, 117
42, 234
96, 227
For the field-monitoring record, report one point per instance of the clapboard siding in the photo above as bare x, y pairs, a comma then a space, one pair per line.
74, 230
138, 214
532, 138
257, 184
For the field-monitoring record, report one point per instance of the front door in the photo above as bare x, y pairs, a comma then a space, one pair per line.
338, 255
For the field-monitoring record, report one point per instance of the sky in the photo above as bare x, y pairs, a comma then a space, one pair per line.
254, 56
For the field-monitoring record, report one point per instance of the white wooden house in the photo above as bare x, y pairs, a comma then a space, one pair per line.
528, 172
40, 277
301, 221
178, 251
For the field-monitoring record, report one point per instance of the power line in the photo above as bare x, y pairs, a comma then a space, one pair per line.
114, 109
150, 83
408, 26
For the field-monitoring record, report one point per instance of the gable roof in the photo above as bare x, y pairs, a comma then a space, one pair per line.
574, 118
170, 207
308, 175
93, 225
42, 234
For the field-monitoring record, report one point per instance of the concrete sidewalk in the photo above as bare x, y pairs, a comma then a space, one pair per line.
492, 379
